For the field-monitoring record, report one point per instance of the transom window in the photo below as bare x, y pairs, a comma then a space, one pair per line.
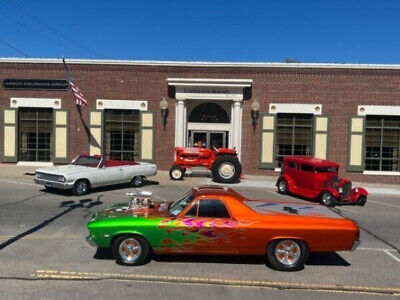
382, 143
293, 135
35, 135
209, 113
121, 134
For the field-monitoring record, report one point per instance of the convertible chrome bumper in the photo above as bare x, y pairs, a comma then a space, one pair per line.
54, 184
90, 241
355, 245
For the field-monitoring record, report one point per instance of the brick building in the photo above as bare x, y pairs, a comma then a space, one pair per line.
342, 112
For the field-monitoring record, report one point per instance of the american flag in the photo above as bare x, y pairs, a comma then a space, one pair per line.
79, 98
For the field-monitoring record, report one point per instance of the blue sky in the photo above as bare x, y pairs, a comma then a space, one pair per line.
241, 31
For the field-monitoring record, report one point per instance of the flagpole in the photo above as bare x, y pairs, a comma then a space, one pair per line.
69, 78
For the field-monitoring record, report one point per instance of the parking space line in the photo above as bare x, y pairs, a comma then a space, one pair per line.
347, 209
66, 275
383, 203
15, 182
42, 237
377, 249
392, 256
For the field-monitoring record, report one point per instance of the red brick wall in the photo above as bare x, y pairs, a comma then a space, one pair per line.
339, 91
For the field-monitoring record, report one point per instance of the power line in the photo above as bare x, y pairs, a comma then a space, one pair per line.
40, 33
49, 27
16, 49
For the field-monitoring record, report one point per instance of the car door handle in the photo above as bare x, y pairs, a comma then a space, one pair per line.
120, 169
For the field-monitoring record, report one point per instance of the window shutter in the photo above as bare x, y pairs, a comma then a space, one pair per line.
10, 135
96, 132
61, 136
147, 136
321, 137
355, 145
267, 141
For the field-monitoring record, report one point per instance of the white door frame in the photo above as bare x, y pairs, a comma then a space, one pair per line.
215, 90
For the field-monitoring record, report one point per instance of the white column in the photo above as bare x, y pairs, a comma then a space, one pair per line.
237, 122
180, 123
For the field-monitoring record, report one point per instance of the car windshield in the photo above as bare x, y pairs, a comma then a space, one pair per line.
87, 161
326, 169
177, 206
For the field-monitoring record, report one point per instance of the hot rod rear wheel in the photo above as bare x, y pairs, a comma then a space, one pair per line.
361, 200
328, 199
282, 186
81, 187
287, 254
176, 172
226, 169
130, 250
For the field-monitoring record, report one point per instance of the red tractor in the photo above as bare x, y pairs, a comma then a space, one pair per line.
223, 163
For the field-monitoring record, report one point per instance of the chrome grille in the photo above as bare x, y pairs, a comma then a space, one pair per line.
49, 177
346, 190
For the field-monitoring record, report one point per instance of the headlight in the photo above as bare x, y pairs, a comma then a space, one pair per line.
356, 189
340, 190
62, 179
38, 175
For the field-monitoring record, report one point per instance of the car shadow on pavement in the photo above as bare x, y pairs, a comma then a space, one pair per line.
69, 205
315, 259
326, 259
68, 193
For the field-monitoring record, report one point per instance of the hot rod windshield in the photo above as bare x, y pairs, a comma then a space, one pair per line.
326, 169
87, 161
177, 206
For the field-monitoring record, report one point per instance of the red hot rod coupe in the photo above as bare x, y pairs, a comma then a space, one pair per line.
314, 178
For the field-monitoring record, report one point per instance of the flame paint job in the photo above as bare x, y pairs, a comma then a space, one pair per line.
248, 231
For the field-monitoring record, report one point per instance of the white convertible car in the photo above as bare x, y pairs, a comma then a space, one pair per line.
86, 172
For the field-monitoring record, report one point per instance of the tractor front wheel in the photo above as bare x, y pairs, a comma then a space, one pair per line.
226, 169
176, 172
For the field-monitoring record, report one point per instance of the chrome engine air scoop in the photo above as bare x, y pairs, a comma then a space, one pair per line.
140, 199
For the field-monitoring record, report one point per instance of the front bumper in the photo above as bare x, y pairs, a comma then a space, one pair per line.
55, 184
90, 241
355, 245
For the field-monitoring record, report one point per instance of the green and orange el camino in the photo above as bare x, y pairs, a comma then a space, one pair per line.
218, 220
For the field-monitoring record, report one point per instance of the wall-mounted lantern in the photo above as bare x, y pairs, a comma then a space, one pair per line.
255, 112
164, 111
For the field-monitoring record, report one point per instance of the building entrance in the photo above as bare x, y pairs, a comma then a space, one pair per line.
208, 139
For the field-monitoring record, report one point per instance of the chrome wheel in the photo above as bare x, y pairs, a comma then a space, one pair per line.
282, 186
176, 174
81, 187
226, 170
287, 252
129, 250
327, 199
137, 181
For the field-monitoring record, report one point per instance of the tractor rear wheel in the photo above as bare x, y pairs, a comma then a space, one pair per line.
226, 169
176, 172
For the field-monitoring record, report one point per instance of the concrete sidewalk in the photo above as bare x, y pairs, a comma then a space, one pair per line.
198, 177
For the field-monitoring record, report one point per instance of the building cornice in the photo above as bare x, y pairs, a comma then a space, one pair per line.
202, 64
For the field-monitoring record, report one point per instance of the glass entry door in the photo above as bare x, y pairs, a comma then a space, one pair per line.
208, 139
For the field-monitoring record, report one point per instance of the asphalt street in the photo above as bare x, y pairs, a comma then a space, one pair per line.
43, 253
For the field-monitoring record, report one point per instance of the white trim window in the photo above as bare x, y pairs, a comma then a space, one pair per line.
382, 143
294, 135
